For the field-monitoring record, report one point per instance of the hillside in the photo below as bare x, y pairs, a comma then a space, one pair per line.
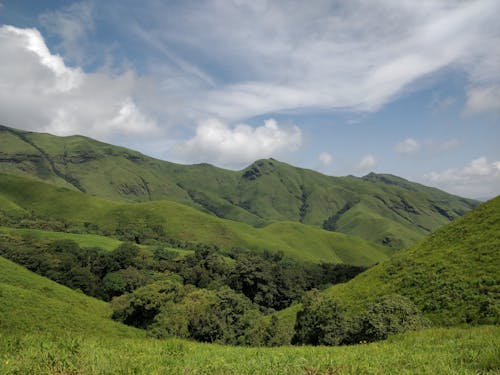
452, 275
33, 201
379, 208
46, 328
31, 303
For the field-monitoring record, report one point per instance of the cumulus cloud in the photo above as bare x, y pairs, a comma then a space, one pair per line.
408, 146
38, 91
325, 158
367, 162
219, 143
483, 99
480, 178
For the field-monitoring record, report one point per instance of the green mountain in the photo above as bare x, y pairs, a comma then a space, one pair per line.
380, 208
452, 275
38, 203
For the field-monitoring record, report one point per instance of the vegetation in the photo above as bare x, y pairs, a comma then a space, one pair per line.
451, 277
379, 208
46, 328
31, 204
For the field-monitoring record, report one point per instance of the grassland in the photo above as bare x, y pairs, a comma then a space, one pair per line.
379, 208
83, 240
46, 328
20, 196
452, 275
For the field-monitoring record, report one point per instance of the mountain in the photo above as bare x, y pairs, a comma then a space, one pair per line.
452, 275
36, 204
384, 209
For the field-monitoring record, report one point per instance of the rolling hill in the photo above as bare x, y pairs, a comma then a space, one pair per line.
379, 208
46, 328
452, 275
25, 199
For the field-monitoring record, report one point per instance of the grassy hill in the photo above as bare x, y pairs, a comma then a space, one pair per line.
46, 328
452, 275
380, 208
23, 198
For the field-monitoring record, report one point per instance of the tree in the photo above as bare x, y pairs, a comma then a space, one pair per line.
321, 321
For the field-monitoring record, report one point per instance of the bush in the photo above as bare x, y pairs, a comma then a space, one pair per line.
389, 315
321, 321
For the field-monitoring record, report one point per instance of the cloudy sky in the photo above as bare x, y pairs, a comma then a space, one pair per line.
410, 88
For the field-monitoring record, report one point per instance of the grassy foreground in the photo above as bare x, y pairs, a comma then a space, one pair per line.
437, 351
46, 328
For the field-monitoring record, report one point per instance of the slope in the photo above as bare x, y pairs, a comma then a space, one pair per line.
46, 328
26, 199
31, 303
452, 275
379, 208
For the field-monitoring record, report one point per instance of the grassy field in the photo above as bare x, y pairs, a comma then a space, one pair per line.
46, 328
302, 242
438, 351
378, 208
83, 240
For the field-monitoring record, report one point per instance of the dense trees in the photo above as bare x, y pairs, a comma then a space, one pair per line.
211, 296
323, 321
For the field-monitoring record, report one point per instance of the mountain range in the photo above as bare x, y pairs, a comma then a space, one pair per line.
383, 209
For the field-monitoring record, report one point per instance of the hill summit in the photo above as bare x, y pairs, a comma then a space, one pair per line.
384, 209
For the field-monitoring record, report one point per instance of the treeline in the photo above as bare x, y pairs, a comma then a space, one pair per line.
209, 296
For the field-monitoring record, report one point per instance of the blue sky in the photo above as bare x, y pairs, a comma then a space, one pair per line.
402, 87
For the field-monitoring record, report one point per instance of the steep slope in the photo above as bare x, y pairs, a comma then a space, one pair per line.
379, 208
452, 275
26, 199
32, 303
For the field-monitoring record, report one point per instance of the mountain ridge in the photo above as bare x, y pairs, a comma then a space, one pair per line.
380, 208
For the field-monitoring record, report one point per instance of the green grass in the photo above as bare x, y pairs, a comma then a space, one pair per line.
31, 303
83, 240
385, 209
452, 275
302, 242
46, 328
438, 351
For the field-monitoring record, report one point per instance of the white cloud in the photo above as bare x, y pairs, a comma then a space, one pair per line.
411, 146
297, 55
71, 24
450, 144
38, 91
367, 163
408, 146
483, 99
480, 178
237, 146
325, 158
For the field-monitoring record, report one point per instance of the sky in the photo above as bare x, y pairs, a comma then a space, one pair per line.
410, 88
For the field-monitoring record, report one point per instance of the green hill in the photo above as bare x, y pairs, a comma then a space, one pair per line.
46, 328
31, 303
379, 208
452, 275
26, 199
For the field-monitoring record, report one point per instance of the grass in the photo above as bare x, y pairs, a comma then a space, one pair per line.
83, 240
385, 209
452, 275
436, 351
302, 242
46, 328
